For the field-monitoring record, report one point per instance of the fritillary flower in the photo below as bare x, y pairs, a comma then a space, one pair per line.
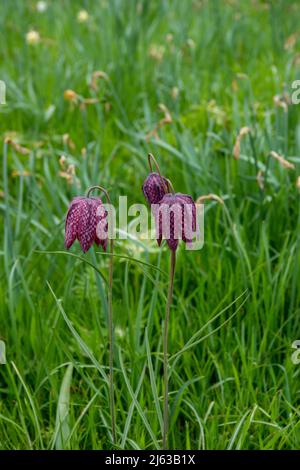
154, 188
175, 218
87, 221
83, 217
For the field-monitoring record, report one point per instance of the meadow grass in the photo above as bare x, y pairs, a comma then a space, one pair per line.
235, 311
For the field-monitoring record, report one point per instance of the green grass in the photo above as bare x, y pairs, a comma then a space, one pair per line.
236, 303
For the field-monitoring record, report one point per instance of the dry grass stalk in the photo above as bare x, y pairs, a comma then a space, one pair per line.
175, 92
95, 76
209, 197
167, 119
87, 101
62, 162
290, 42
237, 146
260, 180
90, 101
296, 59
282, 101
68, 171
16, 173
156, 52
17, 147
74, 99
71, 96
283, 162
68, 141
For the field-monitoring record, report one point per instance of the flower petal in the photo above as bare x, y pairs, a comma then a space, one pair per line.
72, 220
86, 230
154, 188
102, 226
176, 219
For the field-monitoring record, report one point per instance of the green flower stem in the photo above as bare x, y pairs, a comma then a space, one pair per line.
165, 348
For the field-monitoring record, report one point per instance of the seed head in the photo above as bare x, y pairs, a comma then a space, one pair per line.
33, 37
41, 6
70, 95
82, 16
283, 162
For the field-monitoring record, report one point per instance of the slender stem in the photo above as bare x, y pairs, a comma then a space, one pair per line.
170, 186
111, 357
110, 325
165, 347
100, 188
151, 159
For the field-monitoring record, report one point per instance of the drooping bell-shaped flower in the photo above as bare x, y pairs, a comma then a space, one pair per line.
175, 218
154, 188
85, 215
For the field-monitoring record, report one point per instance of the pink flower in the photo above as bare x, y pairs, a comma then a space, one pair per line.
175, 217
154, 188
84, 217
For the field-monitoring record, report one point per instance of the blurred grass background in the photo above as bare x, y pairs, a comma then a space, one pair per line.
211, 67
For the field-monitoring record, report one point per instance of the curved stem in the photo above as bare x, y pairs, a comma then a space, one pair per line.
151, 159
100, 188
170, 186
110, 324
165, 347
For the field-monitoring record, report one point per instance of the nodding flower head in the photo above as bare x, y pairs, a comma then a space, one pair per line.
84, 217
175, 218
154, 188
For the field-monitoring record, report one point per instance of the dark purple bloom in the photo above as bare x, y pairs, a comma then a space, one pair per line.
175, 217
154, 188
83, 217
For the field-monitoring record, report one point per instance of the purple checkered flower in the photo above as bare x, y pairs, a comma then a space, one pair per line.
175, 218
154, 188
84, 217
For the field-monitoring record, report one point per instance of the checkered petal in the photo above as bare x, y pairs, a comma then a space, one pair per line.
154, 188
72, 220
175, 219
188, 217
102, 227
86, 228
